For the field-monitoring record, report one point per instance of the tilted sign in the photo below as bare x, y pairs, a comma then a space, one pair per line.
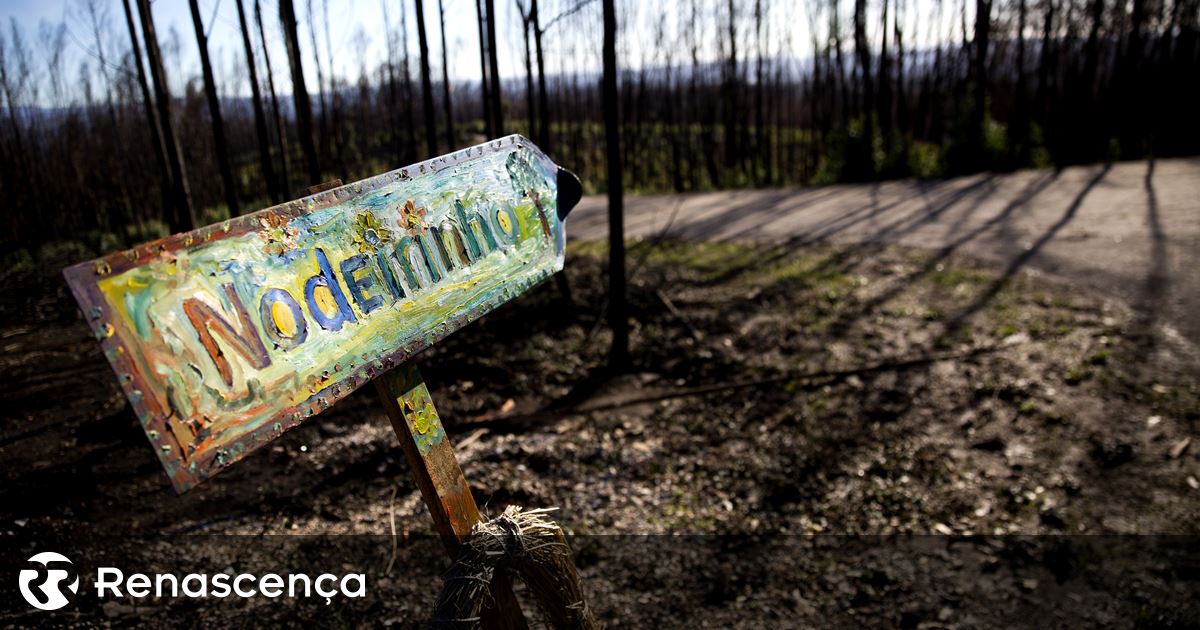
227, 336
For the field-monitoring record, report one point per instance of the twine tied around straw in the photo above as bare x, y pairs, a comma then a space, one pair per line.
528, 544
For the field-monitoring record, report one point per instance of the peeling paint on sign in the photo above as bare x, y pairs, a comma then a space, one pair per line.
227, 336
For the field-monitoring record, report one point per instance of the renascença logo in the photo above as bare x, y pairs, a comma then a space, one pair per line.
42, 586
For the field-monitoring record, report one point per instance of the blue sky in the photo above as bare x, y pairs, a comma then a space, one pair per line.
350, 22
357, 34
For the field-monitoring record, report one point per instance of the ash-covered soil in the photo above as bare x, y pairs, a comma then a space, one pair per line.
866, 435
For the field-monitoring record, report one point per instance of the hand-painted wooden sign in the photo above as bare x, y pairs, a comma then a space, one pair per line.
227, 336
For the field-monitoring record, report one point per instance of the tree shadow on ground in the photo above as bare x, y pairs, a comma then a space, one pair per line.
1021, 260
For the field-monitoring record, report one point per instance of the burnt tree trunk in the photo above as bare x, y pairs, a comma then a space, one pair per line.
181, 217
530, 108
410, 123
983, 27
156, 135
287, 15
1018, 125
426, 87
285, 160
732, 151
451, 139
260, 119
393, 98
543, 134
214, 113
485, 87
762, 169
323, 136
1093, 135
494, 66
617, 319
862, 162
883, 106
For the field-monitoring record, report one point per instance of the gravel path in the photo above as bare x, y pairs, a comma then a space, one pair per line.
1130, 230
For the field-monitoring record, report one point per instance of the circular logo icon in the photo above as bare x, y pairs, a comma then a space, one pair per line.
43, 585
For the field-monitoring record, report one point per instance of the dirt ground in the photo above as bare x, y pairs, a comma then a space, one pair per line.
814, 436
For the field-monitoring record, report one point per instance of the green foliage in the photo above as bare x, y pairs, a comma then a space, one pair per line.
1114, 150
1076, 375
925, 159
58, 254
146, 231
109, 242
995, 140
213, 214
953, 276
15, 264
832, 163
1039, 156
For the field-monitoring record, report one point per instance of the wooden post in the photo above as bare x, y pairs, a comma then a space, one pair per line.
431, 458
443, 487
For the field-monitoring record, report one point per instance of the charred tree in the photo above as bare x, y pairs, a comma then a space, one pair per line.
1018, 124
902, 91
979, 80
762, 170
730, 122
543, 133
618, 357
393, 100
426, 87
883, 106
410, 123
280, 128
485, 87
835, 28
1093, 134
107, 218
860, 158
497, 91
287, 16
323, 114
152, 121
181, 217
260, 120
530, 108
214, 113
451, 138
1130, 83
336, 126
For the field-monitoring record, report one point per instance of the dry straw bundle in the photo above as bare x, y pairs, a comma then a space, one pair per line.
528, 544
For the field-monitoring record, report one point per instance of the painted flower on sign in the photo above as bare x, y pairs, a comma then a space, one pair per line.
369, 233
427, 427
412, 219
277, 236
